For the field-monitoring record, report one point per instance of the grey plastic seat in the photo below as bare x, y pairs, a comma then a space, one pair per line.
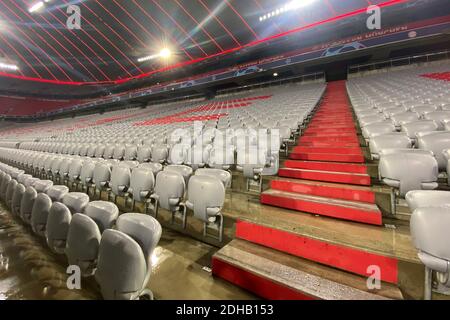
412, 128
221, 157
10, 188
429, 231
142, 183
427, 198
394, 140
436, 142
168, 193
439, 116
206, 196
120, 180
3, 187
154, 167
76, 201
17, 199
222, 175
91, 151
39, 214
64, 169
109, 151
377, 129
408, 170
26, 205
124, 262
185, 171
119, 152
57, 193
160, 153
144, 154
42, 186
87, 175
84, 235
130, 152
58, 222
100, 151
102, 176
404, 117
75, 171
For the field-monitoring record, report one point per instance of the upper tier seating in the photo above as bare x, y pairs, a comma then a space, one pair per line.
413, 105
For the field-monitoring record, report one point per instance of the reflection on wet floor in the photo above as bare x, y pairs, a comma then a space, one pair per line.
28, 270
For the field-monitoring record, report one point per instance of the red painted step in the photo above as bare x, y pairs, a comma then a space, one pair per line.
326, 176
357, 158
324, 189
340, 209
335, 150
273, 275
339, 256
328, 138
326, 166
329, 144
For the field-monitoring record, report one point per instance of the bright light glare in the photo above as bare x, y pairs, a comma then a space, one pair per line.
290, 6
165, 53
7, 66
36, 6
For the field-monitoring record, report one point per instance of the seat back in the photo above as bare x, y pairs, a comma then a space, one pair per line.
169, 189
57, 193
408, 170
76, 202
142, 183
436, 142
26, 205
58, 222
120, 179
84, 235
206, 196
39, 213
222, 175
137, 236
429, 231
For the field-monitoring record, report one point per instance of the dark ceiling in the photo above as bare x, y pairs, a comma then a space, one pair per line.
115, 33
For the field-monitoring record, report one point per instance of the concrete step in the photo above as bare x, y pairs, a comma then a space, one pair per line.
327, 166
326, 176
333, 157
324, 189
323, 206
279, 276
333, 149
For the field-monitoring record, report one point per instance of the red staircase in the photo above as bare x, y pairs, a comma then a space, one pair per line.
326, 174
281, 254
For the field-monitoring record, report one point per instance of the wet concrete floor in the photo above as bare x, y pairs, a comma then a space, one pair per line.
28, 270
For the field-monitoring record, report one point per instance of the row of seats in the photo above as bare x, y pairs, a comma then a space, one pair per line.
174, 188
404, 119
115, 249
241, 131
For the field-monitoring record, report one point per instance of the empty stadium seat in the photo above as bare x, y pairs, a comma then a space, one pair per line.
124, 262
206, 196
169, 191
429, 230
408, 169
84, 235
427, 198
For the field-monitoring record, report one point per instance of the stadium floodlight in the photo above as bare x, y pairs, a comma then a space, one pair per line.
165, 53
8, 66
35, 7
290, 6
